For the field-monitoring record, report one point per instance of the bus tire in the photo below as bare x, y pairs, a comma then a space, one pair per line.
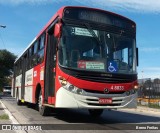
95, 112
17, 99
43, 110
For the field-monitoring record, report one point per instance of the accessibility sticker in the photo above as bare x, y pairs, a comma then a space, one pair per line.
112, 66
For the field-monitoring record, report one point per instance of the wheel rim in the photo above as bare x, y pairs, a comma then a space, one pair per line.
40, 102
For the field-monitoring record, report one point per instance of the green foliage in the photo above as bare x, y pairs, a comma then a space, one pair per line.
6, 66
154, 105
4, 117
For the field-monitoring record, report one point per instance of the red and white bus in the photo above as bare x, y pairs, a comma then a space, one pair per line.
83, 58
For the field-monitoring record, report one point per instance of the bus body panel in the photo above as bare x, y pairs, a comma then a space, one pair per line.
18, 85
66, 99
28, 86
101, 86
38, 79
114, 87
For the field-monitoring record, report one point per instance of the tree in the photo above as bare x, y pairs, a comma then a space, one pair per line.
6, 66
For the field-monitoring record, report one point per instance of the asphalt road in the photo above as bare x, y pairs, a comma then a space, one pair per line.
75, 120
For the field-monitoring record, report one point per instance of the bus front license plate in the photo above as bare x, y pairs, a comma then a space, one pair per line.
105, 100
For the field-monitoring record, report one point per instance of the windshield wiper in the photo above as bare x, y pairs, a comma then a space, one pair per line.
92, 33
99, 43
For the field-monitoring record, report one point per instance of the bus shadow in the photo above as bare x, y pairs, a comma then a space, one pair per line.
108, 117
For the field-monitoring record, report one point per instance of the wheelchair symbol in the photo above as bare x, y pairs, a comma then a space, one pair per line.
111, 68
72, 31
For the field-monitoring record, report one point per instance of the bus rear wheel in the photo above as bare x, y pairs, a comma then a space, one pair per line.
95, 112
43, 110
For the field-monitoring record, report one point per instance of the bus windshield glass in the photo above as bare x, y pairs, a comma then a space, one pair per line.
88, 49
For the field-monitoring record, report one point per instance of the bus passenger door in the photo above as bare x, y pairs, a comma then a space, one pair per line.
49, 91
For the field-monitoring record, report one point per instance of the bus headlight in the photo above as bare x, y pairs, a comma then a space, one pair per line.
62, 81
80, 91
68, 86
71, 88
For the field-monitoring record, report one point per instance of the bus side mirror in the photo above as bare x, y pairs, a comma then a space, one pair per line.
137, 56
57, 30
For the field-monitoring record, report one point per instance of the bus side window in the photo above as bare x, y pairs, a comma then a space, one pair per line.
40, 54
35, 47
20, 67
34, 60
18, 71
41, 42
26, 61
30, 52
29, 58
15, 70
34, 54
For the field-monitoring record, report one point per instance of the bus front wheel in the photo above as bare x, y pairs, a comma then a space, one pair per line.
95, 112
43, 110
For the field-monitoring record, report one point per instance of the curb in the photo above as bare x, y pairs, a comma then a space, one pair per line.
11, 117
142, 109
148, 109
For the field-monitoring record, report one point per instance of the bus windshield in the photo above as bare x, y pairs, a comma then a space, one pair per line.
88, 49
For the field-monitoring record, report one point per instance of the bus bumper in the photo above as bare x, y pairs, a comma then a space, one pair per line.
67, 99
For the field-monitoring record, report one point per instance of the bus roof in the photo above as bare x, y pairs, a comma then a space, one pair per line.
59, 14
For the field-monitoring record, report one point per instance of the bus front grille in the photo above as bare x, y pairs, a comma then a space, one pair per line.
103, 79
